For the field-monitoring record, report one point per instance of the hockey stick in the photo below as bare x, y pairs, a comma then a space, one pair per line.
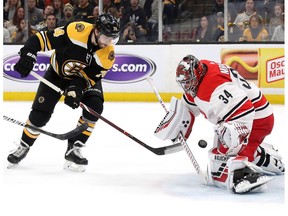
159, 151
64, 136
180, 138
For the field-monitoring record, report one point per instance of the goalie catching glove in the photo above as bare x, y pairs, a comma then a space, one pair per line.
178, 119
232, 136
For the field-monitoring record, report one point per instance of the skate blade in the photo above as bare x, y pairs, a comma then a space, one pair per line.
11, 165
246, 186
74, 167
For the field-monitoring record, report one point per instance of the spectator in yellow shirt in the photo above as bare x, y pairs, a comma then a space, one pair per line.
256, 30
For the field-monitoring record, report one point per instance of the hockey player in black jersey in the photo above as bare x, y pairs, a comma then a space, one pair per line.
83, 53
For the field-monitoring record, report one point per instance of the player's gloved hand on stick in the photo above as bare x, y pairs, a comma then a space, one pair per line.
73, 96
26, 62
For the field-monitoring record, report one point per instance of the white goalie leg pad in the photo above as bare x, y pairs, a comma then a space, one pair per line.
233, 136
178, 119
218, 167
269, 159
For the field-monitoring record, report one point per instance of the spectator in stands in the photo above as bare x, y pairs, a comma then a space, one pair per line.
169, 13
276, 20
83, 10
256, 30
136, 15
51, 23
6, 35
107, 5
114, 12
217, 7
10, 7
265, 9
203, 32
92, 19
242, 19
21, 35
35, 15
218, 34
17, 17
68, 15
47, 11
278, 34
49, 2
58, 6
132, 34
151, 10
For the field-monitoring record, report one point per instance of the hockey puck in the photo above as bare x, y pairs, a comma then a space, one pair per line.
202, 143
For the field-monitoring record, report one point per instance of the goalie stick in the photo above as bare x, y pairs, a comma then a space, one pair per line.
158, 151
181, 139
64, 136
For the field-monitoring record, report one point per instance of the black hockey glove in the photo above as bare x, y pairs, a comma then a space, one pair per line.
73, 96
26, 62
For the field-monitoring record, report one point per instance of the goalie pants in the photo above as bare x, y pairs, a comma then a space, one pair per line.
46, 99
260, 129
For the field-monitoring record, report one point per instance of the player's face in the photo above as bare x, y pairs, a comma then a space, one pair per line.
104, 41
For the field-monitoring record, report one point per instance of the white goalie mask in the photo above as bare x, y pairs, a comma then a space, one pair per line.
189, 74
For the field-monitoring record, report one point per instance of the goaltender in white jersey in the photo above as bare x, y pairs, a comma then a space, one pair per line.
239, 160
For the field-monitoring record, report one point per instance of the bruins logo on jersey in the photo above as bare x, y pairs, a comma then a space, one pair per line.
79, 27
71, 68
111, 56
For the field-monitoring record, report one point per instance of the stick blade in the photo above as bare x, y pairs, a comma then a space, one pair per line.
168, 149
78, 130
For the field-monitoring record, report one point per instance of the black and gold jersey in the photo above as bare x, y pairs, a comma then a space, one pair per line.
74, 54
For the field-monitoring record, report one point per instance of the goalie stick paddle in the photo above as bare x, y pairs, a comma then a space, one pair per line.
181, 139
64, 136
158, 151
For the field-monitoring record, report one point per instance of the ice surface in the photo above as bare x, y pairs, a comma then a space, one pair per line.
122, 177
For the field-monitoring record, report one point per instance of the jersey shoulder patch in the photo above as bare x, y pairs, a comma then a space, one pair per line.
78, 33
105, 57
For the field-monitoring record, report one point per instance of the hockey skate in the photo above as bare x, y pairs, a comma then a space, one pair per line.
74, 159
18, 154
252, 181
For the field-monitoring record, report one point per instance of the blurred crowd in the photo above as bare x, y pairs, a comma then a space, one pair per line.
247, 20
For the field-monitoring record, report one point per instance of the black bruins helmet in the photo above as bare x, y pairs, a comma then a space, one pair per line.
108, 25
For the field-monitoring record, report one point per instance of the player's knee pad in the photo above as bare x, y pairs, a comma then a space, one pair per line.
95, 103
232, 136
39, 118
269, 159
178, 119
